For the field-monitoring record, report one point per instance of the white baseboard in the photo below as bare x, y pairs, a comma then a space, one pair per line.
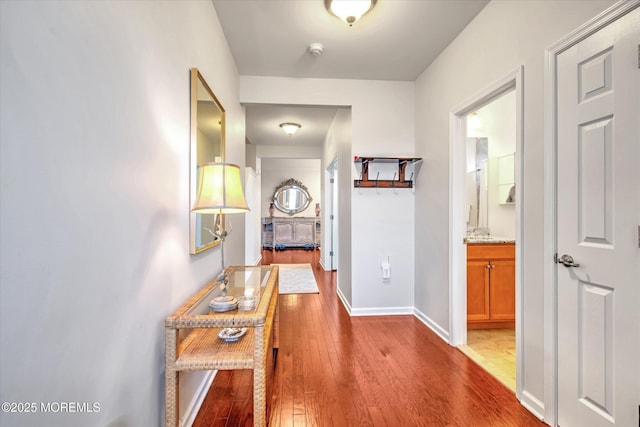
441, 332
383, 311
344, 301
533, 405
192, 409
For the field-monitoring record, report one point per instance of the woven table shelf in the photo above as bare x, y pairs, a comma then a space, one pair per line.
192, 342
203, 350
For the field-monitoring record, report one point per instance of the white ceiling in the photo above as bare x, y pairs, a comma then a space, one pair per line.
263, 124
396, 40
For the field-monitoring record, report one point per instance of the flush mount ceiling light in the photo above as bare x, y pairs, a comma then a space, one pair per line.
349, 10
290, 128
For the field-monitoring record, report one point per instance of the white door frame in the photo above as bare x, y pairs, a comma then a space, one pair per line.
550, 196
457, 209
328, 225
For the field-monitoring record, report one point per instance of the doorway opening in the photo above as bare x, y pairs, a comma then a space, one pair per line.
491, 236
309, 157
486, 229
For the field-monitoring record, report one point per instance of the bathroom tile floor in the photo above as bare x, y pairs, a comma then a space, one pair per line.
495, 351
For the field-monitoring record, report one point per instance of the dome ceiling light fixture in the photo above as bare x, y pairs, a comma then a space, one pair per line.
290, 128
349, 10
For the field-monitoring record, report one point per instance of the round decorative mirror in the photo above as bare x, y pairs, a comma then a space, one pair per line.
291, 197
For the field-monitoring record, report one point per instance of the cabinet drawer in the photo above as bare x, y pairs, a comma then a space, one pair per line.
491, 251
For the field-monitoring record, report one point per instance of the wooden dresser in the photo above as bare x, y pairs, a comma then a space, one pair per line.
491, 290
290, 232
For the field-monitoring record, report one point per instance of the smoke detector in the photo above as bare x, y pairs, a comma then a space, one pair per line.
316, 49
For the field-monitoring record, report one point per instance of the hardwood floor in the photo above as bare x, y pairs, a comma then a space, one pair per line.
336, 370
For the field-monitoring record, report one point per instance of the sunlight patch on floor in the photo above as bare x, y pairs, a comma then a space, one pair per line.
495, 351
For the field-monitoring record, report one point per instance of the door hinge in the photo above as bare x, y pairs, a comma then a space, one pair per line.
330, 253
331, 217
331, 181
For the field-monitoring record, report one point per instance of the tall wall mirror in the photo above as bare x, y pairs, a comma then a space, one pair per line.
477, 190
207, 145
291, 197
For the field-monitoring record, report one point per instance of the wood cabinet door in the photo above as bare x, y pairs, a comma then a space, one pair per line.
502, 290
283, 233
304, 232
477, 290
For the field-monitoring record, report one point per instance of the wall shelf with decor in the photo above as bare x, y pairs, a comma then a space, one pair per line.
385, 172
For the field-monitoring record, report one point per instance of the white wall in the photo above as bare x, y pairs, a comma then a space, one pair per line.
95, 198
276, 171
251, 159
337, 147
503, 36
289, 151
253, 224
380, 222
499, 126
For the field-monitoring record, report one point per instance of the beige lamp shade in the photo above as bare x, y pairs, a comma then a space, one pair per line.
219, 189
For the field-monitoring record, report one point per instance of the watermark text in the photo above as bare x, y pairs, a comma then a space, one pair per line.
51, 407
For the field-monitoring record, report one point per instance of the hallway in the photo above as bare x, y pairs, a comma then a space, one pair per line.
335, 370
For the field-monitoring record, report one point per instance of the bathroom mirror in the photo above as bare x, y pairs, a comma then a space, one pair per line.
477, 176
291, 197
207, 145
506, 179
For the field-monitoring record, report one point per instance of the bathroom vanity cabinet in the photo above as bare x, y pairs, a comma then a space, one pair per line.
491, 289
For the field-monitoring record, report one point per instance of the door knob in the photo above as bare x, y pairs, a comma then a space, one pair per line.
567, 261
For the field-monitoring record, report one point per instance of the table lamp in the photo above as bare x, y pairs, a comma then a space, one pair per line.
220, 192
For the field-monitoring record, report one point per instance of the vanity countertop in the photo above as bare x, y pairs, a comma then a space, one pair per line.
488, 240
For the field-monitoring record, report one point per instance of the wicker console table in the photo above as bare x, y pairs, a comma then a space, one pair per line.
192, 343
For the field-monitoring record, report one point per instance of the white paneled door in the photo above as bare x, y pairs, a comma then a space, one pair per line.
598, 214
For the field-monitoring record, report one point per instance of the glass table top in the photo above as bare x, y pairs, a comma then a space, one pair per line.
245, 281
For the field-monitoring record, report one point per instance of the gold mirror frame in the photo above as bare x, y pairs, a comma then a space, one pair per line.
207, 145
